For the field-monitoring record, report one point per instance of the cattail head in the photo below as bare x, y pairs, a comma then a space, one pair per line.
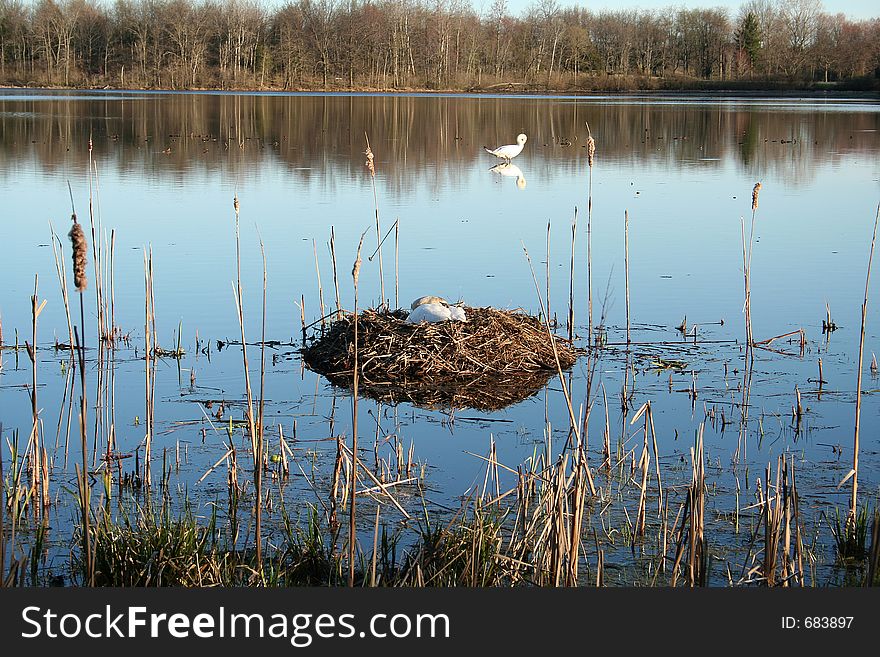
78, 243
369, 162
235, 203
356, 270
591, 150
755, 192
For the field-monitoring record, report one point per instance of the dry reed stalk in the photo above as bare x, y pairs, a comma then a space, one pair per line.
60, 270
371, 166
577, 499
698, 560
355, 275
591, 150
788, 568
113, 328
692, 521
320, 287
335, 276
334, 479
853, 505
774, 510
149, 371
548, 271
258, 454
746, 304
747, 267
606, 448
649, 430
379, 485
626, 267
644, 461
375, 546
96, 254
39, 483
256, 443
570, 320
79, 250
397, 263
574, 423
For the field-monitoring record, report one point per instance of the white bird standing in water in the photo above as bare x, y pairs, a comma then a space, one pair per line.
510, 151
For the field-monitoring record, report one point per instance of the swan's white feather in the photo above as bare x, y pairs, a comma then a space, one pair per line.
436, 312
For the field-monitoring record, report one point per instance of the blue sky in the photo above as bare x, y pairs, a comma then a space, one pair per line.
855, 9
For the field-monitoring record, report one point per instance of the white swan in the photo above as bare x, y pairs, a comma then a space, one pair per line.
434, 309
512, 171
509, 151
428, 299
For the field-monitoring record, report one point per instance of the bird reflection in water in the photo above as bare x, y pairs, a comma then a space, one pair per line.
511, 171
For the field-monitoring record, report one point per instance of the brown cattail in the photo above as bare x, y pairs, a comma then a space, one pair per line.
755, 191
80, 248
235, 203
369, 162
356, 270
591, 145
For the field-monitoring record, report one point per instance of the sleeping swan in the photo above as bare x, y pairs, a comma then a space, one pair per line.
434, 309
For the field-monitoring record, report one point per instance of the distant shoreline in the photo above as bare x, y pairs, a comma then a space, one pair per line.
498, 90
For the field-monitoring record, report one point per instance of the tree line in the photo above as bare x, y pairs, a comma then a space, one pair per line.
427, 44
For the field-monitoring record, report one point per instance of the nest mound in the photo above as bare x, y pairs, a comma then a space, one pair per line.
496, 358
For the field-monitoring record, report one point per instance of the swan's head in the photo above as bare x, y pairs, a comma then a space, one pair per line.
521, 182
421, 301
521, 139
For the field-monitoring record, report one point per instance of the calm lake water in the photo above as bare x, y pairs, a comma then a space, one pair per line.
166, 169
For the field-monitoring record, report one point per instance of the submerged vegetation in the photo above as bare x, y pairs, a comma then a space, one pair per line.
285, 506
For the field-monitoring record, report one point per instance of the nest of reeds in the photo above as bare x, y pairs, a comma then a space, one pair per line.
493, 360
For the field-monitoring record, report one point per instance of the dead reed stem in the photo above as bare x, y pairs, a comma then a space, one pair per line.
371, 165
352, 533
397, 263
320, 287
698, 559
375, 546
335, 275
570, 320
258, 454
149, 355
853, 505
79, 254
626, 268
239, 301
591, 149
60, 270
548, 272
574, 423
